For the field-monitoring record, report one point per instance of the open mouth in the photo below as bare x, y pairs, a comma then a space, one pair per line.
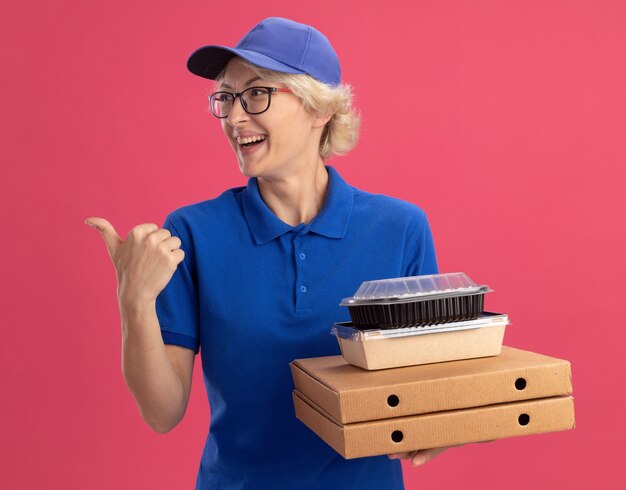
250, 144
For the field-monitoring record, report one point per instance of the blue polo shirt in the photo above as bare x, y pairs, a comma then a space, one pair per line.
254, 293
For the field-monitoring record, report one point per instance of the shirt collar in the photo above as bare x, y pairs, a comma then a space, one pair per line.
331, 221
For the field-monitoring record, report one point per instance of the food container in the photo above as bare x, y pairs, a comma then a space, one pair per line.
389, 348
417, 300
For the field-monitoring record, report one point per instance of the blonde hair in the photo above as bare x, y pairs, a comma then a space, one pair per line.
341, 132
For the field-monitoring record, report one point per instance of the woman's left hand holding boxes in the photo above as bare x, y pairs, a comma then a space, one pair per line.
418, 458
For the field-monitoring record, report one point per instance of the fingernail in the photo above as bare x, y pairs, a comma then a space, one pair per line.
417, 462
89, 224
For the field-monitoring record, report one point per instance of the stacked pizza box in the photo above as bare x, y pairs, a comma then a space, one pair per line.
423, 366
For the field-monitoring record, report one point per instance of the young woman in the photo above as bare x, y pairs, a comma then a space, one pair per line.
254, 276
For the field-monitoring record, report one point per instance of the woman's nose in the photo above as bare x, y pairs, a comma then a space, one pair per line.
236, 113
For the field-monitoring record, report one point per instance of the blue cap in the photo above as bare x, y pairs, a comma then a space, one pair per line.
277, 44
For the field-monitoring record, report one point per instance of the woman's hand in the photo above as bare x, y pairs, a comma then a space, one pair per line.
423, 456
145, 262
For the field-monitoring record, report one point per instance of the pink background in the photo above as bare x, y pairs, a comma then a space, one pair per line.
504, 120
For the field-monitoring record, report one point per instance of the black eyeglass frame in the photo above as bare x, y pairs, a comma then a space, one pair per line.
270, 91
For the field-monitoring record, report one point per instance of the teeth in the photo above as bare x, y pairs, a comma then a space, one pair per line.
244, 141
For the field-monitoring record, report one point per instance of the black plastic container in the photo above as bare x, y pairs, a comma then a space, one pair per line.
414, 301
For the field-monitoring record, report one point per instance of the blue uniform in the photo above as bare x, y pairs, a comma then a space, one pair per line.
256, 293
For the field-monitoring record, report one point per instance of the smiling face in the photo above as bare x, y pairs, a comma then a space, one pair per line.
291, 134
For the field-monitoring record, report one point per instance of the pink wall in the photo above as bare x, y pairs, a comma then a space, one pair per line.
504, 120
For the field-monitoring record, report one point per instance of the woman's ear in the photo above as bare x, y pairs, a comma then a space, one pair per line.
320, 121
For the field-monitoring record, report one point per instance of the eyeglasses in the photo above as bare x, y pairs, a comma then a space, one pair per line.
254, 100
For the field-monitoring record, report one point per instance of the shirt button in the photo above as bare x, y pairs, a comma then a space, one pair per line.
302, 256
303, 289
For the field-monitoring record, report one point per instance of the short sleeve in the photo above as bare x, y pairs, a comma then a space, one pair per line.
419, 258
177, 304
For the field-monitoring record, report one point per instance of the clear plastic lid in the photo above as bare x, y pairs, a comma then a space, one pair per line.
344, 330
408, 288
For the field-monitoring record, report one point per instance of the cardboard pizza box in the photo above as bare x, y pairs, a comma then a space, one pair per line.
350, 394
439, 429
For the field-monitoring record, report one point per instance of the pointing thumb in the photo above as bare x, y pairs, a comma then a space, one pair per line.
111, 238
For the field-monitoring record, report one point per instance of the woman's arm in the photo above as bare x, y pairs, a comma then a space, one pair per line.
159, 378
158, 375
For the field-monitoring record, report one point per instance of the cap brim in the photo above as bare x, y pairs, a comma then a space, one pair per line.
209, 61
